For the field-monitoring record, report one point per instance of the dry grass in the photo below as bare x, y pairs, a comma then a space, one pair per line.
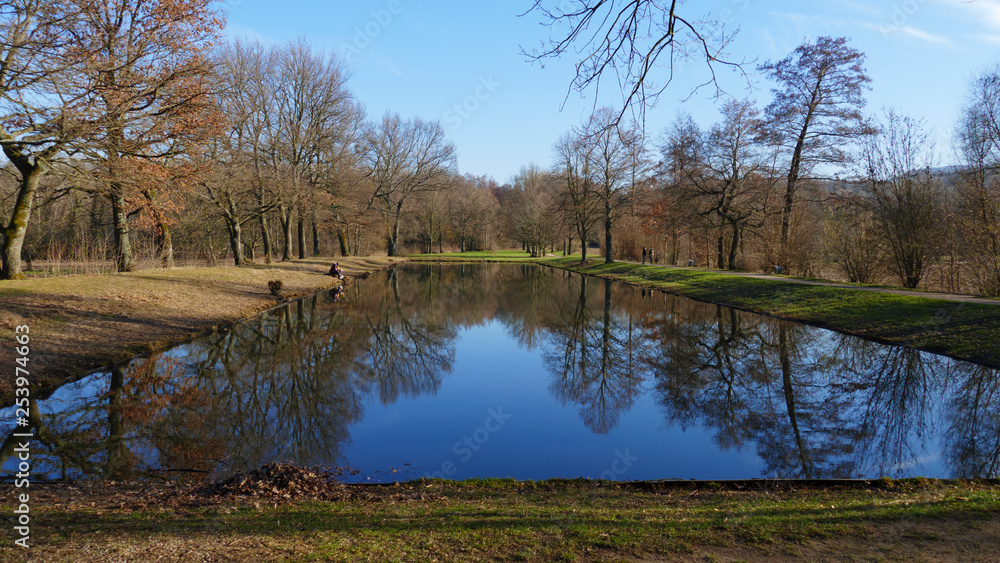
82, 322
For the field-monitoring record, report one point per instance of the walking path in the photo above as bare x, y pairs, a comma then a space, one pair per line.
958, 297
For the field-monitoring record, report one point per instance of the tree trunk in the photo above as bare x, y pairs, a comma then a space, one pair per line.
124, 258
266, 239
607, 231
235, 239
793, 179
734, 247
12, 236
315, 228
166, 244
301, 224
394, 234
720, 258
345, 249
285, 216
393, 238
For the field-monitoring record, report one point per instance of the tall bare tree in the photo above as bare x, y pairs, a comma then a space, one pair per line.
978, 189
473, 211
246, 98
311, 100
534, 200
618, 152
580, 197
405, 158
736, 166
817, 107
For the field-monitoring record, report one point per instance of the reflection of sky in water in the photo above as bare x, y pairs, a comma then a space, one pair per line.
541, 439
313, 390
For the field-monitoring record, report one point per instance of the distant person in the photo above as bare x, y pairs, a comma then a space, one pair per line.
644, 255
652, 256
336, 271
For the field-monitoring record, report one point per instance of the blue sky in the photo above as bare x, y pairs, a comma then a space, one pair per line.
460, 62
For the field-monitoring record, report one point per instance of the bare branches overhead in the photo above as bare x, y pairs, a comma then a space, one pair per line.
639, 45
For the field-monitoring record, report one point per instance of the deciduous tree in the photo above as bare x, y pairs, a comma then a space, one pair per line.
405, 158
816, 111
146, 72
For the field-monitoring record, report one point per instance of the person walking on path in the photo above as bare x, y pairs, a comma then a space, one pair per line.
644, 255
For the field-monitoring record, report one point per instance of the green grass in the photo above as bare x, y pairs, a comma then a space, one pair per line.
505, 520
962, 330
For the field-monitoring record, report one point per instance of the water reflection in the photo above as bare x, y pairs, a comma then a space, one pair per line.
291, 384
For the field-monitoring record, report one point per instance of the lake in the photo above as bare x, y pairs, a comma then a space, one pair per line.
501, 370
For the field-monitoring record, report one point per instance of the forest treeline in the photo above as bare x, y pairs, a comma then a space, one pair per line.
136, 136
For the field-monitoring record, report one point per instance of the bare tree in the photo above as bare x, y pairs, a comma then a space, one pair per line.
618, 153
817, 107
405, 158
311, 101
640, 42
724, 172
978, 189
534, 199
580, 197
905, 197
246, 99
473, 212
853, 239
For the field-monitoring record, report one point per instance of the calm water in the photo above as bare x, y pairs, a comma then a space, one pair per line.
527, 372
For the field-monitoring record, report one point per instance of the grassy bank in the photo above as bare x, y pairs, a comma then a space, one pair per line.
966, 331
499, 256
82, 322
502, 520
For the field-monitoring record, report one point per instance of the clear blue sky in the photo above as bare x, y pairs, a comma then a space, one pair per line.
431, 56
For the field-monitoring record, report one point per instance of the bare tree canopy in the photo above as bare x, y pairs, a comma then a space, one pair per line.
978, 191
405, 158
640, 42
816, 110
905, 197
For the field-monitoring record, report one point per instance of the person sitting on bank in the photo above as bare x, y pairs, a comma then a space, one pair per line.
336, 271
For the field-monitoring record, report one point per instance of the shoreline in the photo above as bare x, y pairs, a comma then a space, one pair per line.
83, 323
959, 329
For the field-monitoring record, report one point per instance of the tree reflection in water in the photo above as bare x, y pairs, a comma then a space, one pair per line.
289, 385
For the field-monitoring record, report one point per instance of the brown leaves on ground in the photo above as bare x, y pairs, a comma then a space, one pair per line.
281, 481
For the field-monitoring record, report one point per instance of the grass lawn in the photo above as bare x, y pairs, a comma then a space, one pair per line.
503, 520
